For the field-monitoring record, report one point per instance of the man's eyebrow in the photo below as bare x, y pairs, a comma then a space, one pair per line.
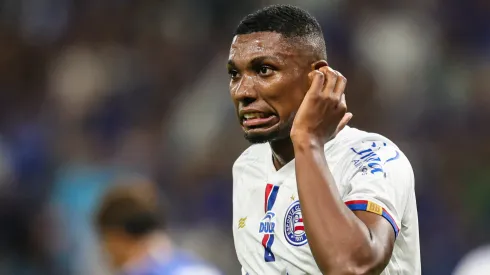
255, 61
261, 59
230, 64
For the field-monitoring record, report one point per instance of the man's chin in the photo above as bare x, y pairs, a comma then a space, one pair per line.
256, 138
261, 135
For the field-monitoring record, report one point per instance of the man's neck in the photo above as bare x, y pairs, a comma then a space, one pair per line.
282, 152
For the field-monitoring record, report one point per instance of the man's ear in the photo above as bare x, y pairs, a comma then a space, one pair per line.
315, 66
318, 64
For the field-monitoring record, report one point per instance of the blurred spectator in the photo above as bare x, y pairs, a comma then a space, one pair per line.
133, 233
477, 262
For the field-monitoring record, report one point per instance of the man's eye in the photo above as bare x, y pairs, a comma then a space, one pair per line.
265, 70
233, 74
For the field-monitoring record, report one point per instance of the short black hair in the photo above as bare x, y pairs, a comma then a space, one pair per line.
289, 21
133, 209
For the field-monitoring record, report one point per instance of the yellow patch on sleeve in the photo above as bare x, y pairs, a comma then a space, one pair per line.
374, 208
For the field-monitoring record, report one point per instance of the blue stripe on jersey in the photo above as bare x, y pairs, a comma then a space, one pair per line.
385, 214
272, 198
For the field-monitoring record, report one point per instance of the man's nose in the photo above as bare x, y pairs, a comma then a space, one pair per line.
245, 92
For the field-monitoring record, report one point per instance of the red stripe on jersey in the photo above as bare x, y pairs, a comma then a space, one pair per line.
357, 202
265, 240
268, 190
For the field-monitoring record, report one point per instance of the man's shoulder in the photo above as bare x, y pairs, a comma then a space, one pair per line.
191, 264
350, 135
196, 270
351, 140
356, 149
253, 153
183, 262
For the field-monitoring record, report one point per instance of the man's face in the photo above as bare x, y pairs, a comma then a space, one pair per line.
269, 79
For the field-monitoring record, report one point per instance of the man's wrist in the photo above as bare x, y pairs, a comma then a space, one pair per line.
306, 142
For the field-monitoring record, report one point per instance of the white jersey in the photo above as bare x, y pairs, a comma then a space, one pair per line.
371, 174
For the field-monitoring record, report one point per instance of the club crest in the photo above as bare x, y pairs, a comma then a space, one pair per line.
294, 229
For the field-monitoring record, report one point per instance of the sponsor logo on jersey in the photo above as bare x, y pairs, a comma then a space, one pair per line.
294, 229
369, 159
267, 224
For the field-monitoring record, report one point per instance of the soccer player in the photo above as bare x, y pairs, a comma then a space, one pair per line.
133, 234
311, 195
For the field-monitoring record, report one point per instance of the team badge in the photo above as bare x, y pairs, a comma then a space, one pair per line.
294, 229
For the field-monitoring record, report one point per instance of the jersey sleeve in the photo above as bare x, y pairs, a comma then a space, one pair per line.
380, 181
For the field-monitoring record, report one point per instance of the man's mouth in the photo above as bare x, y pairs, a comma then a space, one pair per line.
259, 120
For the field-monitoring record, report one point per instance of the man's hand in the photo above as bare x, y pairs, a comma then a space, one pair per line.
323, 112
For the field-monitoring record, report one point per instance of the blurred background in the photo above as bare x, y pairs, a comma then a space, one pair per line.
94, 91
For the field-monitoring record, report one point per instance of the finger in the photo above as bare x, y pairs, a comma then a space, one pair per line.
342, 100
343, 122
317, 79
332, 77
340, 85
342, 105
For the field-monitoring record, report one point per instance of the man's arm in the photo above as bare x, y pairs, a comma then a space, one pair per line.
342, 241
